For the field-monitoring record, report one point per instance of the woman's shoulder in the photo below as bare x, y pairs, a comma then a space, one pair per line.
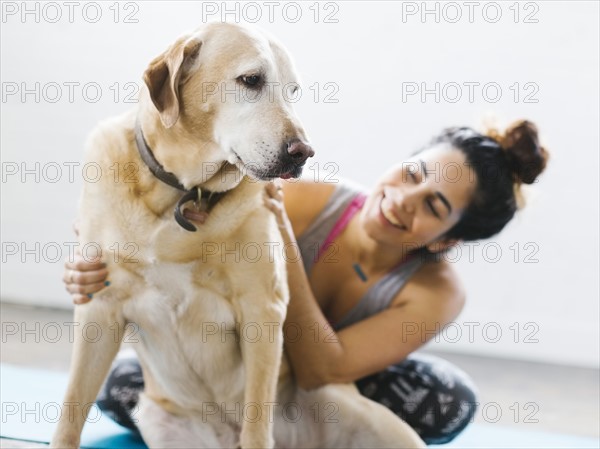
305, 199
435, 286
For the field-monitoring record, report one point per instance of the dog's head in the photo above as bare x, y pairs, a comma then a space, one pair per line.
232, 87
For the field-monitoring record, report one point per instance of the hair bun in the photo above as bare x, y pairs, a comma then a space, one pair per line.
526, 156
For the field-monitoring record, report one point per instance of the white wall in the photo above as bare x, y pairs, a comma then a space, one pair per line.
369, 53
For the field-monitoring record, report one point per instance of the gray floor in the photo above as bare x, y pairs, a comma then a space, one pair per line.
529, 396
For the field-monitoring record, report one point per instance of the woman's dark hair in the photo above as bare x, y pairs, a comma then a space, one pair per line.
501, 164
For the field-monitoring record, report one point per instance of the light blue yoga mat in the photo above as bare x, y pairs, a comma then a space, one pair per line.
30, 401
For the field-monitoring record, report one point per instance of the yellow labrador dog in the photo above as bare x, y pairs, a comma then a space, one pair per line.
212, 126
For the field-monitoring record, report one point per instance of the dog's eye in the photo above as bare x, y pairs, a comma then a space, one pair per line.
252, 81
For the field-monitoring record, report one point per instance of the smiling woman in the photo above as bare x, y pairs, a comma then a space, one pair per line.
463, 186
371, 269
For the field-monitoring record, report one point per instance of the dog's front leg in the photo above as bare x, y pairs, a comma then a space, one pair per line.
262, 359
99, 329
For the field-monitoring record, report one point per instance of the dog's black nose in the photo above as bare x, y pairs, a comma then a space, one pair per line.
299, 150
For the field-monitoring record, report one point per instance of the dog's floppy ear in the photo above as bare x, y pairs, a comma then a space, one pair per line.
164, 75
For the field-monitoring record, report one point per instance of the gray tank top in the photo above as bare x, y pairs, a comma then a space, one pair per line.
381, 294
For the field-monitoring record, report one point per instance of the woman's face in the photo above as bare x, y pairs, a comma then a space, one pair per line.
420, 199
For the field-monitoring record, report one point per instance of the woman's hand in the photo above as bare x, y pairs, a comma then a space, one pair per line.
274, 202
83, 278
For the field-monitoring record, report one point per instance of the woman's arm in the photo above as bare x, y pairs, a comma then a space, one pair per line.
319, 355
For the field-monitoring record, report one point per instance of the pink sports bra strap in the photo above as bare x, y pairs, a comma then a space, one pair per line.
355, 205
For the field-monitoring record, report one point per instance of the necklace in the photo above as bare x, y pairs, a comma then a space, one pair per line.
360, 272
356, 265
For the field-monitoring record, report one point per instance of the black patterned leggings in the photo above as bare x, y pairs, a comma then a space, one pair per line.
436, 398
